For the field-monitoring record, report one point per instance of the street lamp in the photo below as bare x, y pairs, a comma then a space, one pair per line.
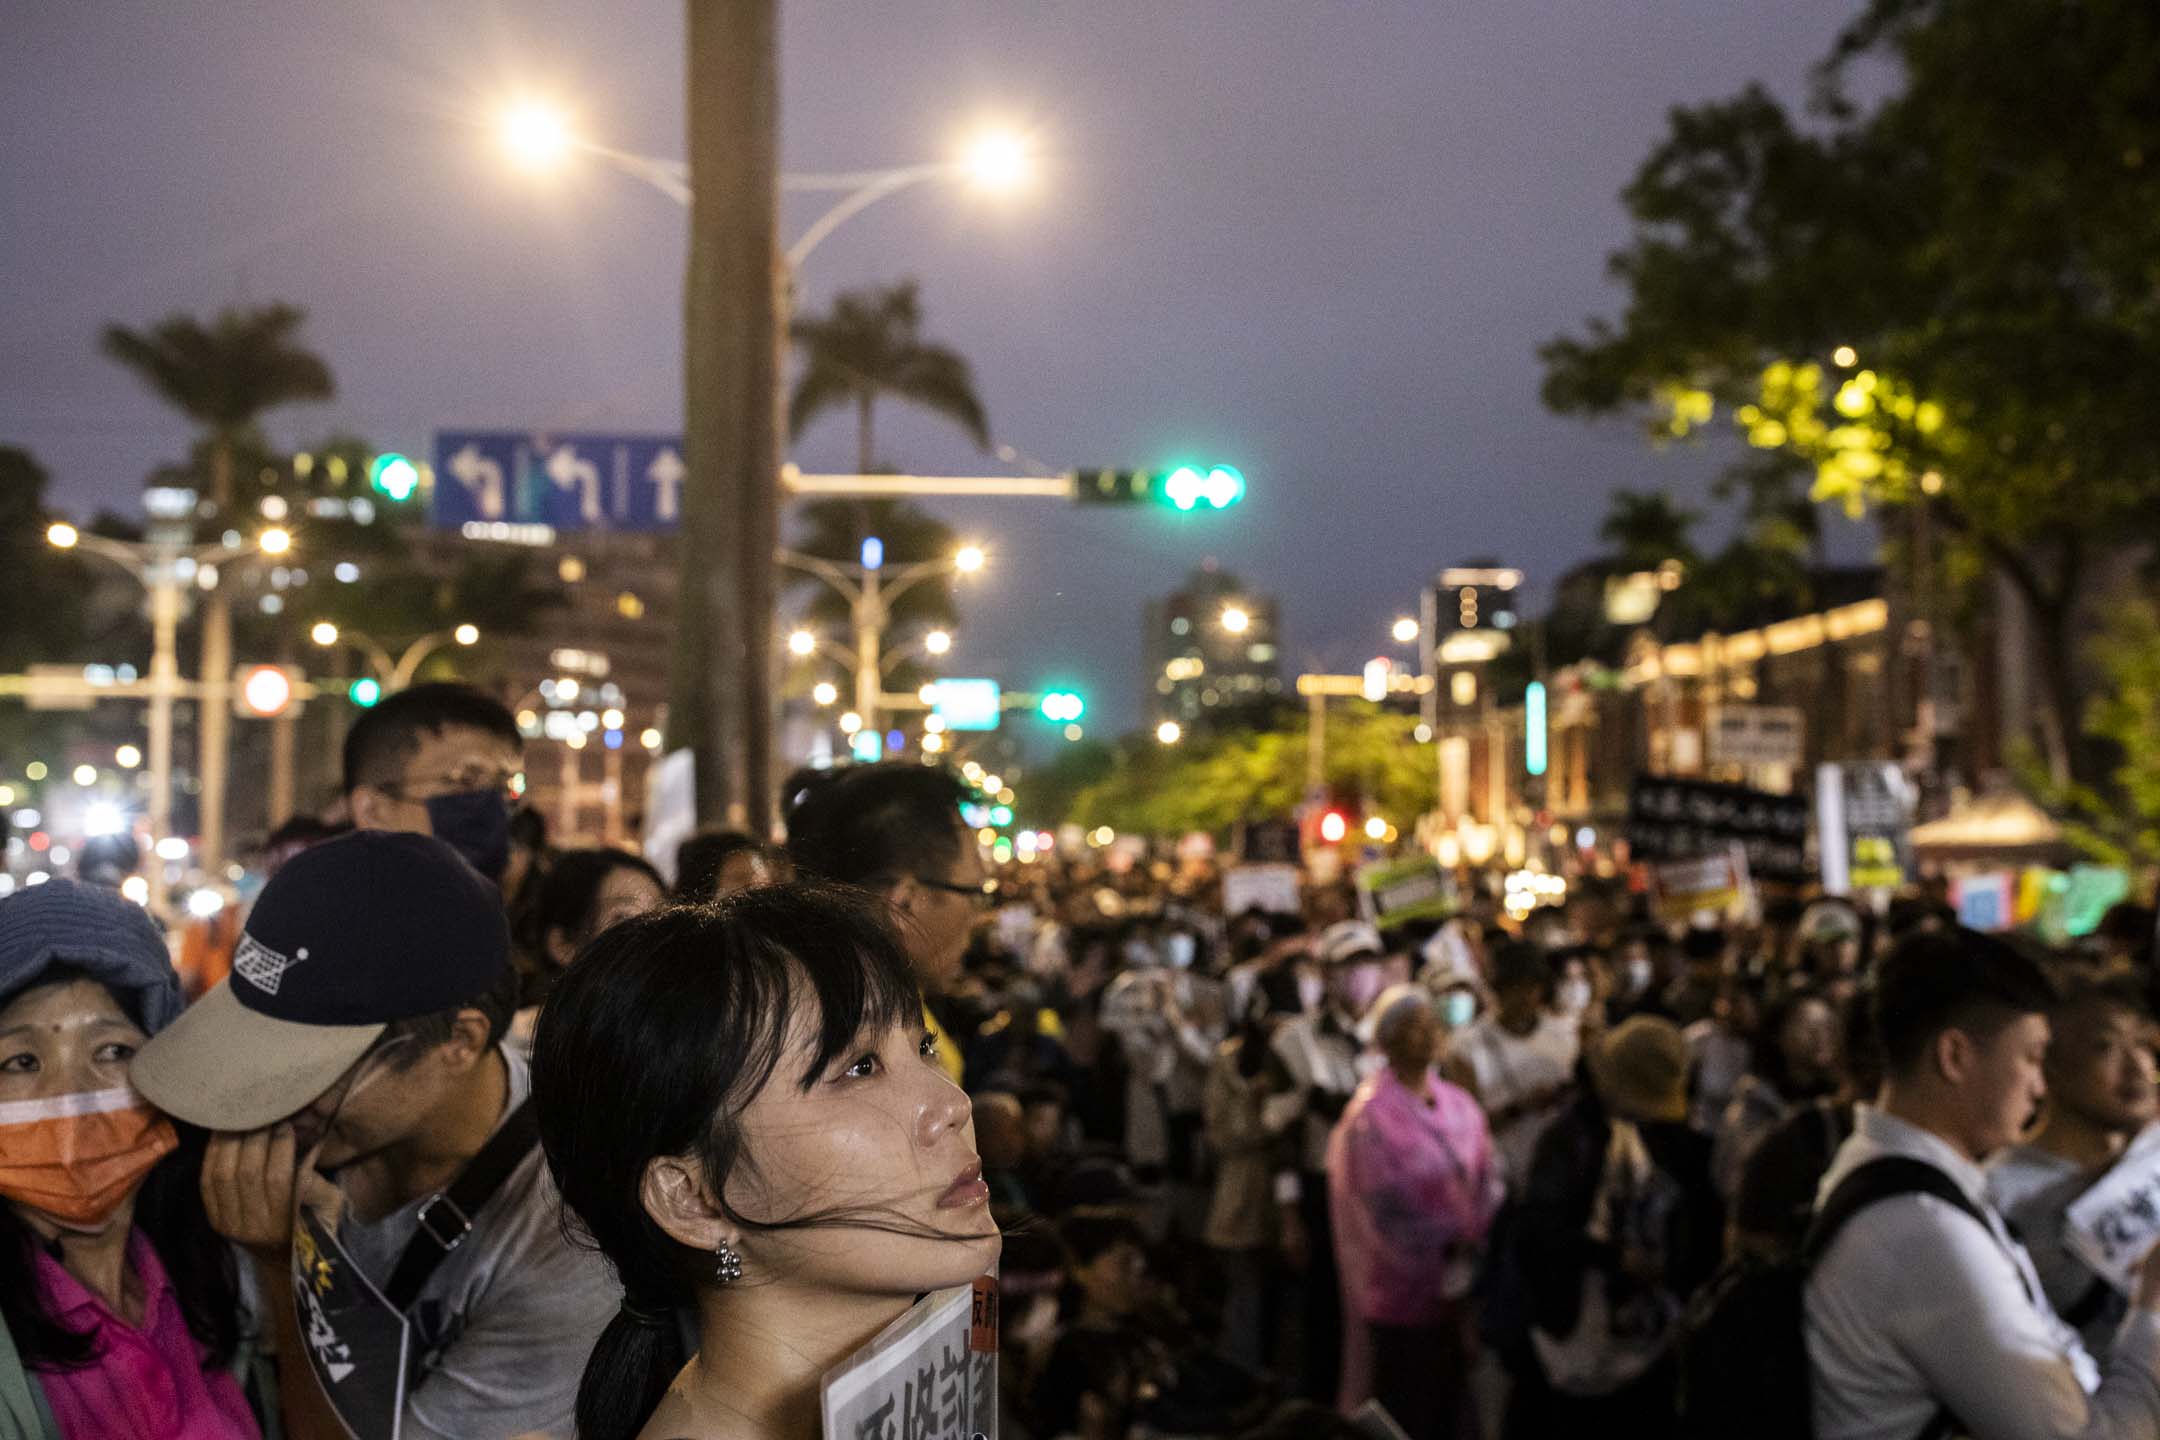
163, 565
870, 593
1406, 630
393, 675
1236, 620
1169, 732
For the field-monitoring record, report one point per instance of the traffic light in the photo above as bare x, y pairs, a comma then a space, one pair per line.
263, 691
1183, 487
1533, 709
394, 476
1061, 707
364, 692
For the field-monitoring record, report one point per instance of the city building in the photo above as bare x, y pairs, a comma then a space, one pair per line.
1212, 650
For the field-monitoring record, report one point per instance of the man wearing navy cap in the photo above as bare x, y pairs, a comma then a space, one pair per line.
356, 1047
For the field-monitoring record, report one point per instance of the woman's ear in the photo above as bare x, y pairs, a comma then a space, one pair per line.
674, 1195
559, 948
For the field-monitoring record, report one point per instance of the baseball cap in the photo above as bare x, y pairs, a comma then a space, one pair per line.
359, 931
1348, 940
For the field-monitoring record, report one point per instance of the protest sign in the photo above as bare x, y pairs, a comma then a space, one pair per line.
1985, 902
930, 1375
2112, 1226
1863, 816
1756, 735
1687, 819
1712, 884
1267, 842
1273, 888
1391, 892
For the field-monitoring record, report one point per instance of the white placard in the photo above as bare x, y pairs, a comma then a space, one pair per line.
1273, 888
670, 809
928, 1376
2112, 1226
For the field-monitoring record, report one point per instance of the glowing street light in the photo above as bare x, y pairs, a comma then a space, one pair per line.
466, 634
1236, 620
535, 134
61, 535
802, 642
127, 757
275, 541
324, 633
969, 559
937, 642
1000, 160
850, 723
825, 692
1406, 630
1169, 732
1376, 828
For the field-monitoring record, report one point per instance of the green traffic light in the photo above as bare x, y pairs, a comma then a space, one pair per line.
364, 692
1218, 487
1062, 707
394, 475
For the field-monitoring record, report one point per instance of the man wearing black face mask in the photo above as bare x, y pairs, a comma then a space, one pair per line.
437, 760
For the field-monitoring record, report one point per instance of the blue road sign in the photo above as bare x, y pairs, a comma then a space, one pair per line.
567, 481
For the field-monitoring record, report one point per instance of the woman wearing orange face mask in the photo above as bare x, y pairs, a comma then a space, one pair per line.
119, 1302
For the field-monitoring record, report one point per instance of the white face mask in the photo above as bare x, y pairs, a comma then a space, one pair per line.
1573, 996
1638, 975
1178, 949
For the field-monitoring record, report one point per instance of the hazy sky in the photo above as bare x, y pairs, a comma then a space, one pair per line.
1316, 238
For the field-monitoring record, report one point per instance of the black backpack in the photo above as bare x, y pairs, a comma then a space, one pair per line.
1743, 1353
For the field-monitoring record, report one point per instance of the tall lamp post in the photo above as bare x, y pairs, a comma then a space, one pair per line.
393, 675
870, 589
163, 565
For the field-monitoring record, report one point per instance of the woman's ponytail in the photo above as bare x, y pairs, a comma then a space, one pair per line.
637, 1356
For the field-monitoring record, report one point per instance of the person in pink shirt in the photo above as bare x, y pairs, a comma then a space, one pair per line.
1413, 1186
119, 1303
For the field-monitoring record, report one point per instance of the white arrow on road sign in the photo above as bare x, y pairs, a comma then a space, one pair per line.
570, 473
482, 476
666, 472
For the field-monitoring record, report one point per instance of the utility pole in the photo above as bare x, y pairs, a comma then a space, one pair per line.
213, 711
720, 703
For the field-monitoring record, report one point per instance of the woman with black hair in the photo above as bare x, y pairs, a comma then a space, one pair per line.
583, 893
120, 1304
1793, 1063
741, 1106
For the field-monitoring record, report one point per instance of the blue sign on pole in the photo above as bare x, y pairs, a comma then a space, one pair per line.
567, 481
967, 704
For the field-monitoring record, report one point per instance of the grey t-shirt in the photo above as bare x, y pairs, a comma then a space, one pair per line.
513, 1312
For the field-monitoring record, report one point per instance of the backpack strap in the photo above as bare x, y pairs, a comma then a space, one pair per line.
447, 1217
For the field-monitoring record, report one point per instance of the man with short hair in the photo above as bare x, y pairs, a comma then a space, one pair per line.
895, 828
439, 760
354, 1056
2100, 1095
1923, 1314
1518, 1061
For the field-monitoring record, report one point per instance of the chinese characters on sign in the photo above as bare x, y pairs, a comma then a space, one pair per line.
931, 1376
1689, 819
2112, 1225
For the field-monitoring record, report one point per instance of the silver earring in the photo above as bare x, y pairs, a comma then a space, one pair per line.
729, 1269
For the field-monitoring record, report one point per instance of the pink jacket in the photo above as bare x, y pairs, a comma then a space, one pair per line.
1412, 1188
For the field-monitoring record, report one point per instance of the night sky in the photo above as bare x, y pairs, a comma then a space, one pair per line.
1318, 240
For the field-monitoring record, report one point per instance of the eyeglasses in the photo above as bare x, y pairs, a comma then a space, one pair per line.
982, 892
510, 784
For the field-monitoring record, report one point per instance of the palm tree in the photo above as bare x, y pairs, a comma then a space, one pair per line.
223, 376
870, 345
1646, 529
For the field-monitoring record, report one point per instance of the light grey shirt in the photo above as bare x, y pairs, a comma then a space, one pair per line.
1915, 1307
514, 1310
2034, 1188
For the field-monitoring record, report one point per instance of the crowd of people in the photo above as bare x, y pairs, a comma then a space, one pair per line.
463, 1135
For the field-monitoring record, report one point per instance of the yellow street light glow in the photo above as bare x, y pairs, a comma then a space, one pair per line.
970, 559
972, 770
933, 724
999, 160
850, 723
1169, 732
802, 642
1235, 620
86, 774
61, 535
1376, 828
466, 634
993, 783
7, 794
1845, 355
324, 633
611, 719
127, 757
825, 692
275, 541
932, 743
575, 740
1073, 732
650, 738
1005, 796
1406, 630
928, 695
937, 642
535, 134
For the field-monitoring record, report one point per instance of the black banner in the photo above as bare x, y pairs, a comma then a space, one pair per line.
1687, 819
